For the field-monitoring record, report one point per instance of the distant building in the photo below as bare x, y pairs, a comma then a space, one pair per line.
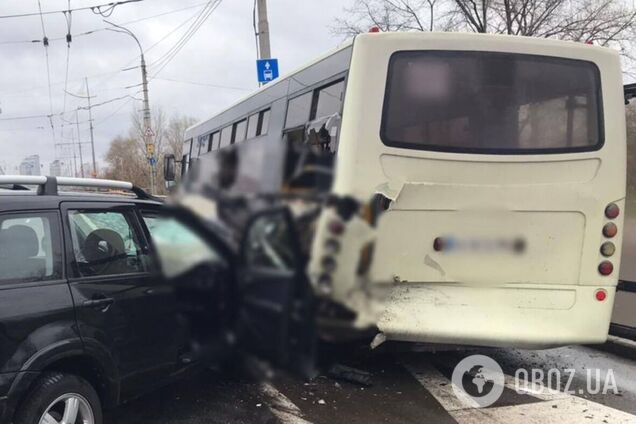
1, 171
30, 165
56, 168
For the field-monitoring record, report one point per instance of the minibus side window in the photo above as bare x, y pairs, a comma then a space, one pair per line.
226, 136
239, 131
298, 110
252, 126
263, 122
213, 143
328, 100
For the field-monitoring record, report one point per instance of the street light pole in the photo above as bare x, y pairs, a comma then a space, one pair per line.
148, 134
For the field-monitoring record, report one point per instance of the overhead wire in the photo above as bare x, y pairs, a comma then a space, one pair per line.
115, 112
82, 34
204, 84
48, 68
59, 114
126, 67
69, 21
164, 60
96, 9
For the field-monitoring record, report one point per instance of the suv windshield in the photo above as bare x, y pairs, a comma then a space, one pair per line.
484, 102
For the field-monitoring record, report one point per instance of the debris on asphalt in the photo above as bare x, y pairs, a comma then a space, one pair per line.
352, 375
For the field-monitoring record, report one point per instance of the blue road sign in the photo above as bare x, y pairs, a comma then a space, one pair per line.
267, 70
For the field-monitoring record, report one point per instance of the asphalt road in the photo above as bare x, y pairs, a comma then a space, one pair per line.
407, 387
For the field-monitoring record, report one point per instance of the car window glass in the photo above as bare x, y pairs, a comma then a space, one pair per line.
179, 248
29, 248
269, 243
105, 243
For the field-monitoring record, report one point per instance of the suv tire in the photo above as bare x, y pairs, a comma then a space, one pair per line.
54, 392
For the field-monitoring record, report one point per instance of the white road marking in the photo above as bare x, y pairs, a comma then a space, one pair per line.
281, 406
556, 406
537, 391
570, 410
439, 386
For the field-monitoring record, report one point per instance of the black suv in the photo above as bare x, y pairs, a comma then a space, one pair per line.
104, 296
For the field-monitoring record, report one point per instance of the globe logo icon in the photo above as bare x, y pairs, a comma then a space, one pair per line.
480, 378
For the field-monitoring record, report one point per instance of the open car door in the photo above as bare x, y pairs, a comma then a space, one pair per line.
276, 307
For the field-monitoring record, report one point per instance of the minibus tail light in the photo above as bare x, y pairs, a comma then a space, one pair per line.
612, 211
325, 284
610, 230
608, 249
605, 268
328, 264
336, 227
600, 295
332, 247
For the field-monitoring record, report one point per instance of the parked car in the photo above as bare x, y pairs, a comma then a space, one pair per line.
106, 296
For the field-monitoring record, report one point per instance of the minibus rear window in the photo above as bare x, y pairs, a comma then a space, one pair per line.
485, 102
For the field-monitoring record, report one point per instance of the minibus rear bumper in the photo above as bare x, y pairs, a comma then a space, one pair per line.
527, 316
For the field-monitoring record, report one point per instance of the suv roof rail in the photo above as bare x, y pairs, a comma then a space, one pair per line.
22, 180
49, 185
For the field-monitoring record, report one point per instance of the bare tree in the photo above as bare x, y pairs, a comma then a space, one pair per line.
475, 13
126, 157
125, 161
610, 23
175, 133
389, 15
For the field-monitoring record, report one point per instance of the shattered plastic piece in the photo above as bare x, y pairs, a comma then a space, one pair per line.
378, 340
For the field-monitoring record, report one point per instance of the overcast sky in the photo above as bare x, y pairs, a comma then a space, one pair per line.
221, 53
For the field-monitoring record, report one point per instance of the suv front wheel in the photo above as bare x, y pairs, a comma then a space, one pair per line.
60, 398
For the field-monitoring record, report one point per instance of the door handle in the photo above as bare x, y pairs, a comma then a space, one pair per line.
100, 302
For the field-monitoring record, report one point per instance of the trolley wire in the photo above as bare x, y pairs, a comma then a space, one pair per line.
48, 68
97, 9
164, 60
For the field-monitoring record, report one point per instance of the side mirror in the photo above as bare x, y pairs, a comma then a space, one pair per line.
169, 168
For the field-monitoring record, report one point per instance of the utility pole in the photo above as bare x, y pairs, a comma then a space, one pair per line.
148, 135
79, 142
264, 48
74, 156
90, 122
